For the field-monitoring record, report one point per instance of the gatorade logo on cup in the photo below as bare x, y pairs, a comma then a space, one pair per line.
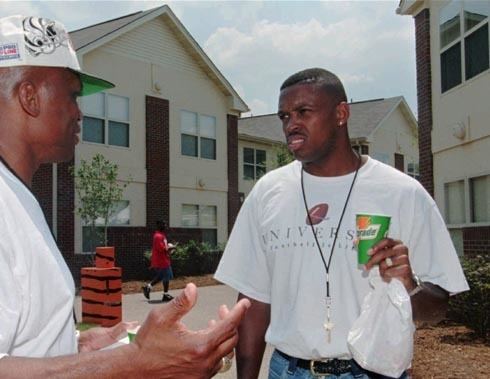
370, 229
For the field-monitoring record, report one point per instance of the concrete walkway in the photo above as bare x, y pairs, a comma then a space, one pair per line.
136, 307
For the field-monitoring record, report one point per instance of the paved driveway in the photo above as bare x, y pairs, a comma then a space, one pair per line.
136, 307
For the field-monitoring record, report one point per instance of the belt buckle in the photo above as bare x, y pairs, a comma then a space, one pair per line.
313, 369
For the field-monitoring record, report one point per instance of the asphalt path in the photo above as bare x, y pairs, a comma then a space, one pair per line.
136, 307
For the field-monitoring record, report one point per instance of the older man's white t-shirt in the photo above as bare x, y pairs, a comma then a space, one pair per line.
36, 287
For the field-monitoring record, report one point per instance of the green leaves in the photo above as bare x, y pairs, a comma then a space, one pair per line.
283, 156
472, 307
98, 191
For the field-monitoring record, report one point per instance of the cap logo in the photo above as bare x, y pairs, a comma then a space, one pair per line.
9, 51
43, 36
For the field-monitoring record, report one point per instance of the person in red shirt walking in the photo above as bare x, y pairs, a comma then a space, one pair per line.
160, 262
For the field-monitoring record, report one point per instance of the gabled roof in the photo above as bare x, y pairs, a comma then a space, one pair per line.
410, 7
267, 128
365, 118
94, 36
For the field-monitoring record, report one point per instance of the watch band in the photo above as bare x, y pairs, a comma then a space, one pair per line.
420, 285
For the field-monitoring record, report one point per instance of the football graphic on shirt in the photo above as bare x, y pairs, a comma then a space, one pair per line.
317, 214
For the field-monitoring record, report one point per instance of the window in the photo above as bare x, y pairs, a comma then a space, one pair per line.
203, 217
400, 162
120, 215
480, 198
198, 135
413, 170
463, 37
455, 202
254, 163
106, 119
361, 149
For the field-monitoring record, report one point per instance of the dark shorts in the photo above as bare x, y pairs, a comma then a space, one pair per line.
164, 274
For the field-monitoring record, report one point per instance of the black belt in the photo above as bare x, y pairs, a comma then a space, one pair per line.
321, 367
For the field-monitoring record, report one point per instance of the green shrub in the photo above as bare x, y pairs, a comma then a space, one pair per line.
193, 258
472, 307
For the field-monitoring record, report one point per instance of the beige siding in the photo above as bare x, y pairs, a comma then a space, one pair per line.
395, 135
135, 62
155, 42
470, 160
464, 106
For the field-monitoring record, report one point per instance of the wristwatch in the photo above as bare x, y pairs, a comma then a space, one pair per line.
419, 287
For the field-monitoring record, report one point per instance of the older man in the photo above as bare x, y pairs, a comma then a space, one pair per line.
39, 121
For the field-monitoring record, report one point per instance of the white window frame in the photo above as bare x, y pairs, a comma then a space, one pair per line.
461, 40
200, 135
467, 202
200, 224
106, 119
254, 164
413, 170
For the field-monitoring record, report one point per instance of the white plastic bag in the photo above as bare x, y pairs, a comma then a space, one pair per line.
381, 339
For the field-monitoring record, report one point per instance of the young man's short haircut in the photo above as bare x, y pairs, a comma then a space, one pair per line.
321, 77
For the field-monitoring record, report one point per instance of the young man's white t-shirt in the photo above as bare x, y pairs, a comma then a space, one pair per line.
36, 288
271, 255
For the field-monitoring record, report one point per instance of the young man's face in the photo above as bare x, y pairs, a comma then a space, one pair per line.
309, 122
60, 115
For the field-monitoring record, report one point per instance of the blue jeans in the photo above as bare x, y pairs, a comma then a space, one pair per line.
278, 369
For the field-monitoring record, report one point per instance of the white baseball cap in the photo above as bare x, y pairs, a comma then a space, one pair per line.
37, 41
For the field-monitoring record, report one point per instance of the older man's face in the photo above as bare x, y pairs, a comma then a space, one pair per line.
59, 116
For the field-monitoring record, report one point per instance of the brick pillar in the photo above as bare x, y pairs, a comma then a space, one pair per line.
424, 99
157, 161
65, 215
42, 188
232, 151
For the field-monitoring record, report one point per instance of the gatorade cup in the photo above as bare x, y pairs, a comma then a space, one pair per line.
132, 333
370, 230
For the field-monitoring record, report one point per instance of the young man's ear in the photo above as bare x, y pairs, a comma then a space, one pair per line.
28, 96
342, 113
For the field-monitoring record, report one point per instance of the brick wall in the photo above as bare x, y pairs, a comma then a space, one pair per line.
424, 99
476, 240
157, 160
42, 188
232, 152
66, 219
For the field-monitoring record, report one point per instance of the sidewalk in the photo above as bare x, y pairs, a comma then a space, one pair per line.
136, 307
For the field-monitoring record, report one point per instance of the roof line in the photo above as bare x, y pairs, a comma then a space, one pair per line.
259, 115
367, 101
143, 14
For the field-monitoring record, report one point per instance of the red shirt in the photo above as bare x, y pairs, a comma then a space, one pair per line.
160, 258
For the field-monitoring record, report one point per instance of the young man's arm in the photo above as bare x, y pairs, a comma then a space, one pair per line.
163, 348
251, 344
429, 304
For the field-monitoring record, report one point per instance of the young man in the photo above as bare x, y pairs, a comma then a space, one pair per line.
160, 262
292, 249
39, 121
